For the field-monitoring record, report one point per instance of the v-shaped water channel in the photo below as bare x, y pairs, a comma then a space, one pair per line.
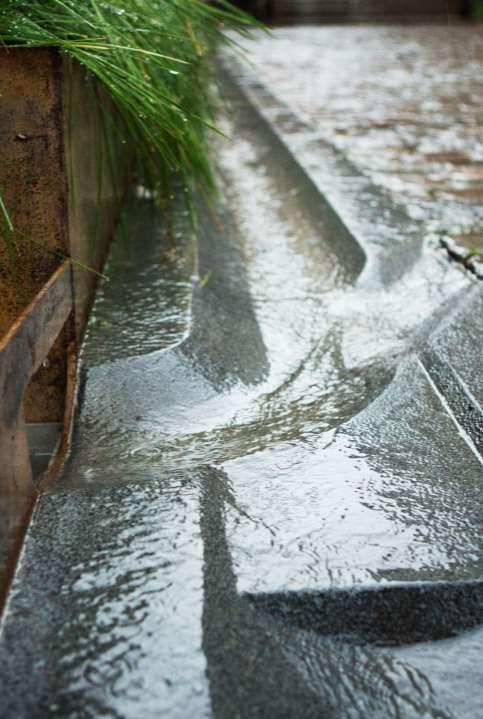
271, 508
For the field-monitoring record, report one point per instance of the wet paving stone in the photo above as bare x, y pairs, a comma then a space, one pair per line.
404, 103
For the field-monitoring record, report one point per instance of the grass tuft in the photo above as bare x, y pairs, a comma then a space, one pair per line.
153, 59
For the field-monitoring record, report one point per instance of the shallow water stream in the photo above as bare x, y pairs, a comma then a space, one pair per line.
271, 508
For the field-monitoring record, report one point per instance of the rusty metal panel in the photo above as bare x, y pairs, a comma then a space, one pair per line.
32, 177
22, 350
34, 186
59, 191
57, 183
96, 178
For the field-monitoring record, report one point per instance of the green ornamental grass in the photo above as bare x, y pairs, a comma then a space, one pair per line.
153, 58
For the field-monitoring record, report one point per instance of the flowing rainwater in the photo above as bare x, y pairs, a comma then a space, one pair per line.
268, 510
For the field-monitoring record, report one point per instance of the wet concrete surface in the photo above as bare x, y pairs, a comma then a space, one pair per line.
273, 502
402, 103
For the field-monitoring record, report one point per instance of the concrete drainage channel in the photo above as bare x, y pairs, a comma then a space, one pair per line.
272, 507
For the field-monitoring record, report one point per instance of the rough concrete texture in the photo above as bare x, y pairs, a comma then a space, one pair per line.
273, 502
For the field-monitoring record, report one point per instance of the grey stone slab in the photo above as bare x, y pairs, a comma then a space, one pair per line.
392, 495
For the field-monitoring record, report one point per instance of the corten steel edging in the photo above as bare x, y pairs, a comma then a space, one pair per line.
22, 351
48, 478
63, 194
63, 180
34, 186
